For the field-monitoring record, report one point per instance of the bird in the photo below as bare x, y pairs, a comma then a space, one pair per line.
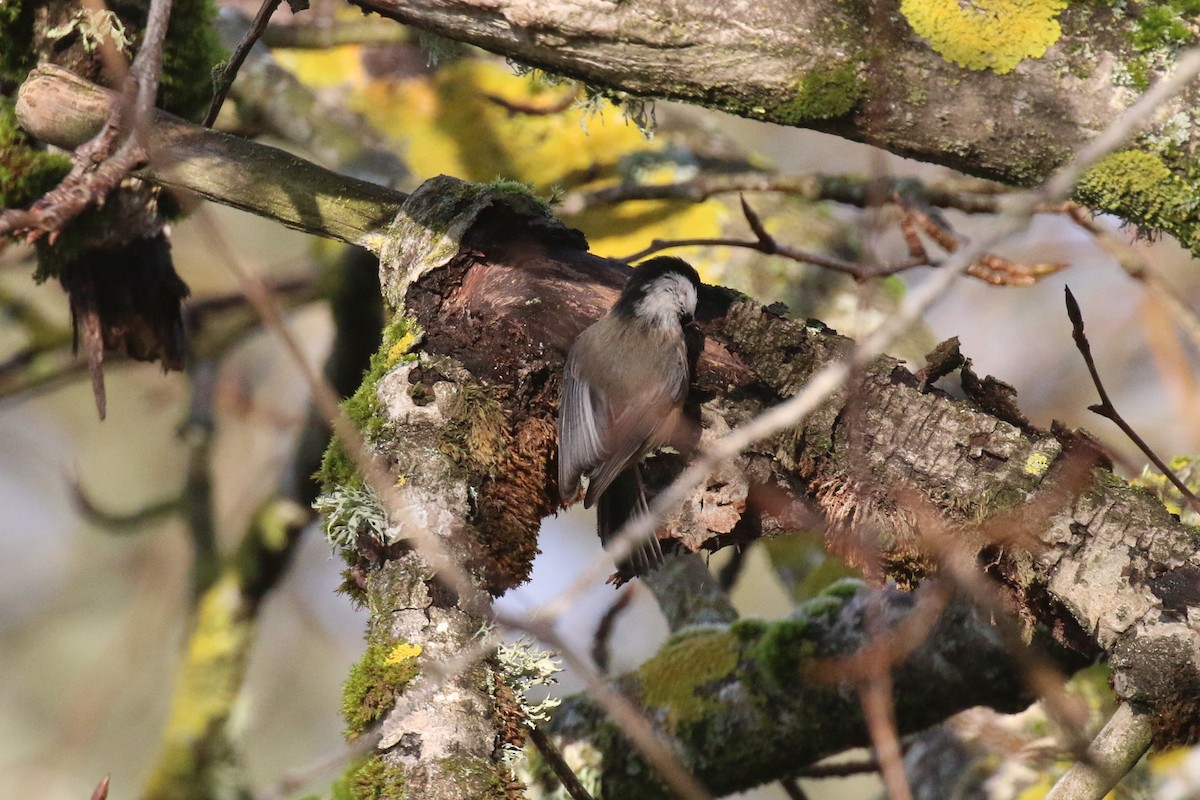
624, 385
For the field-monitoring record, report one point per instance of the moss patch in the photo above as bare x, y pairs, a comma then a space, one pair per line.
26, 173
400, 336
676, 677
370, 779
191, 52
1142, 189
375, 682
16, 33
986, 34
824, 93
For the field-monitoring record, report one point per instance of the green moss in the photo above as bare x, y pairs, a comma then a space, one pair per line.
674, 679
824, 93
400, 336
191, 52
844, 589
26, 173
1163, 24
986, 34
523, 189
375, 682
16, 33
1143, 190
475, 778
370, 779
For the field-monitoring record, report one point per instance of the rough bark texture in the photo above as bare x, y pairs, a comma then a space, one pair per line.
857, 69
753, 702
903, 473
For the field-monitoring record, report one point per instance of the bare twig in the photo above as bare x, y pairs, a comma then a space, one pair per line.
792, 788
1137, 267
971, 195
235, 61
530, 109
608, 621
132, 522
562, 770
1106, 409
989, 268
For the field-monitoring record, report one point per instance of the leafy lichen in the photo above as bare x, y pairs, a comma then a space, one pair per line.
986, 34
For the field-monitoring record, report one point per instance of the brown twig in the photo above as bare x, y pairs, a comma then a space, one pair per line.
562, 770
98, 169
989, 268
605, 628
133, 522
1106, 409
230, 71
531, 109
1136, 266
970, 195
792, 789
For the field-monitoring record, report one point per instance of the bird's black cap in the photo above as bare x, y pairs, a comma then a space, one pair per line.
645, 274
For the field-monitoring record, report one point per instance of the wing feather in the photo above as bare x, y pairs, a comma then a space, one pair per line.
581, 431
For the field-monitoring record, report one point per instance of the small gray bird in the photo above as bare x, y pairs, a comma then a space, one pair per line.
623, 390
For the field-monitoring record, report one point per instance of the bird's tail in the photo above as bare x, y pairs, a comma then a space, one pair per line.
624, 499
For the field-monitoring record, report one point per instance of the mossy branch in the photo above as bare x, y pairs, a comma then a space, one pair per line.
63, 109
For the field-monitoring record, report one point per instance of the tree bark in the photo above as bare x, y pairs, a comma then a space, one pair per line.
908, 478
1008, 94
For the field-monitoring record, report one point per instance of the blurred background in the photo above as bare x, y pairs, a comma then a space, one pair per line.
93, 614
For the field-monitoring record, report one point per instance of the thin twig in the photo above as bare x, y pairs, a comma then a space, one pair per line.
792, 788
132, 522
230, 71
1137, 267
562, 770
970, 195
989, 268
604, 630
1106, 409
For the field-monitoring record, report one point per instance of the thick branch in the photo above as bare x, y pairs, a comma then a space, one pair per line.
63, 109
854, 69
747, 703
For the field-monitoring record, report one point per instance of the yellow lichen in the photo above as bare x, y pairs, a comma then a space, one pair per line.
1036, 464
403, 652
986, 34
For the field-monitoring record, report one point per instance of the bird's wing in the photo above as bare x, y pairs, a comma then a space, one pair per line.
642, 422
582, 426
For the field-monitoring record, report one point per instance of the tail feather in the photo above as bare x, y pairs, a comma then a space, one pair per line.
624, 499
